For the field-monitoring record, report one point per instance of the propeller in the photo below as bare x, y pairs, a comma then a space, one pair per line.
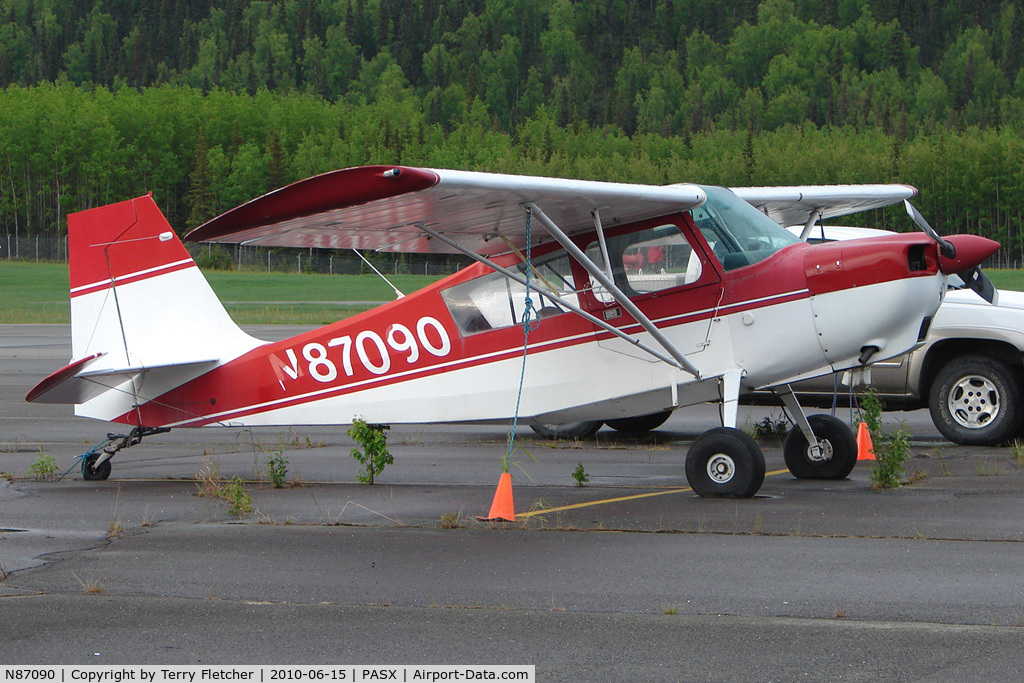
945, 246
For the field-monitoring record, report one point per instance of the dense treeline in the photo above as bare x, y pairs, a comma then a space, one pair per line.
208, 103
661, 66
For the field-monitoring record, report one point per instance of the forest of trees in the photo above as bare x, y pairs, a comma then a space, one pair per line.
208, 103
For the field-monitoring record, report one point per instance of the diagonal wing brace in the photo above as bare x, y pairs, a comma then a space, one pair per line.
619, 296
512, 275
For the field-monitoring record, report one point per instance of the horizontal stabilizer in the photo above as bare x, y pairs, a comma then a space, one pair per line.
76, 384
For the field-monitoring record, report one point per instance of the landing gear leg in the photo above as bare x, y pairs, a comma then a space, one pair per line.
819, 446
96, 465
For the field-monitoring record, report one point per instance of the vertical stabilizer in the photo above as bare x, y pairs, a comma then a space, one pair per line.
141, 308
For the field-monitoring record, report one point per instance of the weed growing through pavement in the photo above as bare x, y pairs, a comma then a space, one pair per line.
770, 428
986, 468
374, 455
892, 451
44, 468
580, 475
94, 586
452, 520
1017, 448
208, 478
889, 466
239, 501
277, 469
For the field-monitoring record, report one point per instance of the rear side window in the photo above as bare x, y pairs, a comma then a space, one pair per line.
647, 261
493, 301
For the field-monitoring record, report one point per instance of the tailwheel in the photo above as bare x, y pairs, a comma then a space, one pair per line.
835, 458
93, 472
726, 463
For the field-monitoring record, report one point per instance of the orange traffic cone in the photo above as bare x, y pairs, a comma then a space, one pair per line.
865, 450
502, 509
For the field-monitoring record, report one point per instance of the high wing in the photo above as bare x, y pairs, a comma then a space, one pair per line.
798, 204
382, 207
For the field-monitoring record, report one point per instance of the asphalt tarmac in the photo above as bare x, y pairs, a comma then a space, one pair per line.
630, 577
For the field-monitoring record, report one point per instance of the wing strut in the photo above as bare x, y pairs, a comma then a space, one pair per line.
619, 296
512, 275
600, 240
809, 225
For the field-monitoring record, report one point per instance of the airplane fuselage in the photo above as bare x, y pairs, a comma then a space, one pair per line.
802, 311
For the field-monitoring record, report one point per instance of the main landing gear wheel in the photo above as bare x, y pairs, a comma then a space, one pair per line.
725, 462
569, 430
91, 472
838, 450
642, 423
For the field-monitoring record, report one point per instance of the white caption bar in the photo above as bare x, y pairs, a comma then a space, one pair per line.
265, 674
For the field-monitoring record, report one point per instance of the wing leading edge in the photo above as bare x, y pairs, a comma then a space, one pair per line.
381, 207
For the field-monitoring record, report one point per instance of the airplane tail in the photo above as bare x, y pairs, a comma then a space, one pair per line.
143, 318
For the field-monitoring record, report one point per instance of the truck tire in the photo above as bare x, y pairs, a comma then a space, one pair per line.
976, 401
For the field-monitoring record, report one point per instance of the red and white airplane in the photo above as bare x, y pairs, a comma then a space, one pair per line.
640, 299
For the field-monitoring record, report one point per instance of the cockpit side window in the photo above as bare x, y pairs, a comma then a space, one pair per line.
646, 261
493, 301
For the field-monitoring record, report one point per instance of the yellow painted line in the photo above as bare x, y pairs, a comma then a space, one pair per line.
605, 501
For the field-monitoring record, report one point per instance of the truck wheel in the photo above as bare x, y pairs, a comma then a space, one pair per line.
569, 430
976, 401
643, 423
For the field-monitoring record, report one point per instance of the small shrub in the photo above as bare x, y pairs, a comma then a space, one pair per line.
451, 520
214, 259
770, 428
891, 458
374, 455
277, 469
871, 407
1017, 448
44, 468
234, 493
580, 475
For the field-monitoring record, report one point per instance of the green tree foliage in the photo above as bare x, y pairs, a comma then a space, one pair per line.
208, 103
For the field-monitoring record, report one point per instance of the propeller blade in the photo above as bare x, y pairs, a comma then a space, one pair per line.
946, 247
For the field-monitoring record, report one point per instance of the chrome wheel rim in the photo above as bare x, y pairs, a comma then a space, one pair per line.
974, 402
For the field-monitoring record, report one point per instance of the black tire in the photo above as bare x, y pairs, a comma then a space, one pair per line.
976, 401
838, 444
725, 462
91, 473
643, 423
569, 430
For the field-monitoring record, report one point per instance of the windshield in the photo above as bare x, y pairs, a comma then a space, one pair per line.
739, 234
